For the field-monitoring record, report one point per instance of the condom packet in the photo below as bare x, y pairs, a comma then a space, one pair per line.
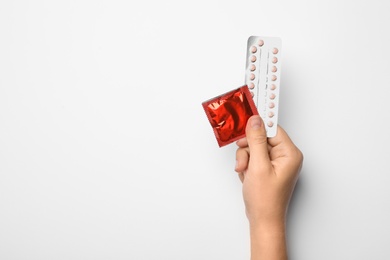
228, 114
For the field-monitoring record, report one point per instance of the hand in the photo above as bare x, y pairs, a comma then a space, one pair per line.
268, 169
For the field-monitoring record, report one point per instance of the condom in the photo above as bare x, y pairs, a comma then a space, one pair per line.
228, 114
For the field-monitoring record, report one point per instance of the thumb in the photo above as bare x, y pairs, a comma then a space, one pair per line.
257, 142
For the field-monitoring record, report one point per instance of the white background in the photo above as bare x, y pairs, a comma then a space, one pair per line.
106, 153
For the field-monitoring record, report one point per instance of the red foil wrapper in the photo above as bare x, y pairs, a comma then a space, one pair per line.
229, 113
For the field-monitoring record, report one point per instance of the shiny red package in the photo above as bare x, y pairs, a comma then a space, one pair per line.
229, 113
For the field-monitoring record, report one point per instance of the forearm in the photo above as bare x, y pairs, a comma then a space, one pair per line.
268, 242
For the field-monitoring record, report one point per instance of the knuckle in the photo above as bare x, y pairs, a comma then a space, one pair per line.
259, 139
239, 153
296, 155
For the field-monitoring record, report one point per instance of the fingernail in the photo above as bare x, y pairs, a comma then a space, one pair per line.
256, 122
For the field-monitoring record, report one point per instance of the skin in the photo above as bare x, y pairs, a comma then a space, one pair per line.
268, 169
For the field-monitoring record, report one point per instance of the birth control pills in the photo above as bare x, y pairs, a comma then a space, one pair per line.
262, 75
229, 112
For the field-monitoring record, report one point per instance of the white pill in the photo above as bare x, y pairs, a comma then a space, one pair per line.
274, 69
253, 49
275, 51
272, 96
261, 43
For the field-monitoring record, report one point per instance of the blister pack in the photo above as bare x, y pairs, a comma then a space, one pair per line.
262, 75
229, 112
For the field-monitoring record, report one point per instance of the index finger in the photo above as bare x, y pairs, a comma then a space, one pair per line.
280, 138
242, 143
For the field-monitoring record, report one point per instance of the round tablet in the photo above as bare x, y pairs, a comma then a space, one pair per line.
251, 86
253, 49
273, 87
252, 77
271, 105
253, 67
272, 96
274, 60
261, 43
253, 94
275, 50
253, 58
273, 78
274, 69
270, 124
271, 114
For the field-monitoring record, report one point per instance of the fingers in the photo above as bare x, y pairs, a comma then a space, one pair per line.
283, 146
241, 176
242, 159
280, 138
256, 137
256, 151
242, 142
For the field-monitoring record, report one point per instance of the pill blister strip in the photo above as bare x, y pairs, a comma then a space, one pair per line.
262, 76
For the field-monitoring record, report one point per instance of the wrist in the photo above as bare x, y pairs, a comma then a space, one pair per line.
268, 228
274, 219
268, 240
